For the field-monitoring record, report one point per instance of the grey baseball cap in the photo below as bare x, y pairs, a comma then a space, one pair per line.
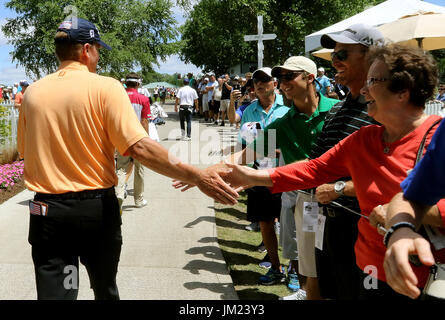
356, 34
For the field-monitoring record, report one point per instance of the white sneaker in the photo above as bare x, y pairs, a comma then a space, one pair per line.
277, 228
299, 295
141, 204
254, 226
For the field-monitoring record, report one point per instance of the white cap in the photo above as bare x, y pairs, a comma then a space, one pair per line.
321, 69
297, 63
266, 70
356, 34
248, 131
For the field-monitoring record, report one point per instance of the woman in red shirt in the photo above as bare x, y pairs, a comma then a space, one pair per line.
377, 157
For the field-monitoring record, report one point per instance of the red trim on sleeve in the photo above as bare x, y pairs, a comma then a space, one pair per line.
441, 206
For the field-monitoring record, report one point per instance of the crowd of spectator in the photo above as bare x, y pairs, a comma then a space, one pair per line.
346, 144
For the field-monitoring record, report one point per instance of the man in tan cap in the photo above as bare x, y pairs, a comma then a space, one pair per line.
295, 134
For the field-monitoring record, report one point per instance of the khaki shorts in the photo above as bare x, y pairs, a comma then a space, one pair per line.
205, 104
288, 237
224, 105
305, 240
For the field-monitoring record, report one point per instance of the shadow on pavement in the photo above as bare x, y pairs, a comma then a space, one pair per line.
207, 251
199, 220
222, 288
24, 203
195, 266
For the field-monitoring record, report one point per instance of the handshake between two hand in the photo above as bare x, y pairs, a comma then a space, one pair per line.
221, 182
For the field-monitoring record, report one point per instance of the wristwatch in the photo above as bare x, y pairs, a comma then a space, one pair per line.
339, 187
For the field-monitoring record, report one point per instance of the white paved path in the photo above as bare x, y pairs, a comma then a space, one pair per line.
170, 248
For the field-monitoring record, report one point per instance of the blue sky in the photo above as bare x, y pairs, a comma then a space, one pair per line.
10, 73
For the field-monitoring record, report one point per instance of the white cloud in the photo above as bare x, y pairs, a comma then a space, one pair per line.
174, 65
10, 74
3, 39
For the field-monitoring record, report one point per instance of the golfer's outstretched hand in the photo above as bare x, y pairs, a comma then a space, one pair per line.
219, 168
211, 184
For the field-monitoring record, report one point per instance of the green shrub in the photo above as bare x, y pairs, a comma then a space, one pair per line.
5, 125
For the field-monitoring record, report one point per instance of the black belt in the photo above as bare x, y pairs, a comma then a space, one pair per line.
330, 212
335, 212
80, 195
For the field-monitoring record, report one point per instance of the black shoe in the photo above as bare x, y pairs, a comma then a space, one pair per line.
222, 124
261, 247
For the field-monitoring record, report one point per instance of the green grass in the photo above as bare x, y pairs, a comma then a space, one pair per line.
239, 248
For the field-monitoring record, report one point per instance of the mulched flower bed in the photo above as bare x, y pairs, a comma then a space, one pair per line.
11, 191
11, 180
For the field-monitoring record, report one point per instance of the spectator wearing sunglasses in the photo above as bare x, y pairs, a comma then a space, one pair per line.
336, 263
295, 134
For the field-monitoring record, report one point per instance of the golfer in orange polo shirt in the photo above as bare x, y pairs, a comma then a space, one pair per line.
68, 140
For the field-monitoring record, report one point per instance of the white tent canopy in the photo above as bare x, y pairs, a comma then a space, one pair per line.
385, 12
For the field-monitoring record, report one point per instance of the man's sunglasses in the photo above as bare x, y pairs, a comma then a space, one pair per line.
289, 76
341, 55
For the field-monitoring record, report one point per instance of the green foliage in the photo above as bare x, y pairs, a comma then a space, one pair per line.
158, 77
139, 32
212, 37
5, 125
439, 55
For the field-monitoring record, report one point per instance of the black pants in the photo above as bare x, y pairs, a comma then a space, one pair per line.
336, 263
372, 289
85, 229
185, 115
262, 205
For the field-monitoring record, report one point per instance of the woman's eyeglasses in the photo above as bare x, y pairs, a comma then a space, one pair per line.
289, 76
371, 81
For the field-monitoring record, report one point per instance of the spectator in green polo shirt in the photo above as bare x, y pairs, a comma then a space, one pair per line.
294, 135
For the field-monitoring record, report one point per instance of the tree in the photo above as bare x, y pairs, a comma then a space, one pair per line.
139, 32
213, 34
